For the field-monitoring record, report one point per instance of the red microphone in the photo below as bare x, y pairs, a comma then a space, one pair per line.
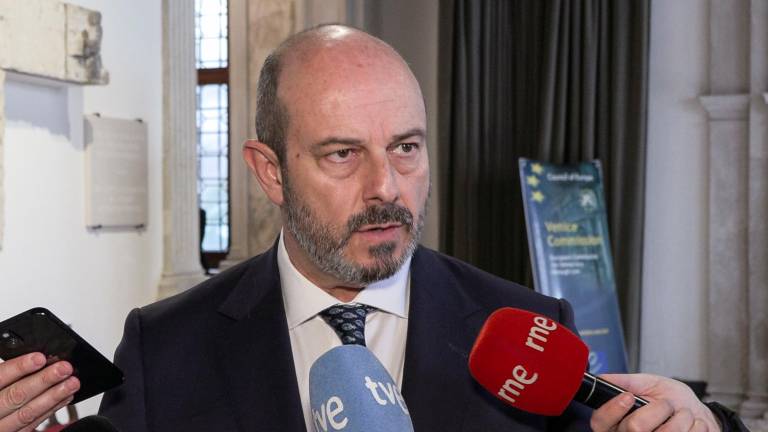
535, 364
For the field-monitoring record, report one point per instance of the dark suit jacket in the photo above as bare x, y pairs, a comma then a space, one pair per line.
218, 357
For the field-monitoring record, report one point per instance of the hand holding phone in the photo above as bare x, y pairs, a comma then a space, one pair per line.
38, 330
30, 392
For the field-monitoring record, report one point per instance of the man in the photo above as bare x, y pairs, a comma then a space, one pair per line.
342, 150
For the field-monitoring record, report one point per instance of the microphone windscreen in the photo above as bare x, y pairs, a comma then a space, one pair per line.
92, 423
350, 390
529, 361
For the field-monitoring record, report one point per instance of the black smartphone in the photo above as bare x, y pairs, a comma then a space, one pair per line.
38, 330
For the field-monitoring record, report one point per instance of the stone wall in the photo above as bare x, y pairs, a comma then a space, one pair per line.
2, 173
50, 39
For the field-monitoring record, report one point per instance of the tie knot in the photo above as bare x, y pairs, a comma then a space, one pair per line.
348, 321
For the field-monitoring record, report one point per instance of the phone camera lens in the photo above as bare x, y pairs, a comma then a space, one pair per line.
10, 340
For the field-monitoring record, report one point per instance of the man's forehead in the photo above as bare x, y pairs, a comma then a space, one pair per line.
351, 85
323, 61
356, 103
336, 41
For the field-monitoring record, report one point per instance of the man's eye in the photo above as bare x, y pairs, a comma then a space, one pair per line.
407, 147
341, 155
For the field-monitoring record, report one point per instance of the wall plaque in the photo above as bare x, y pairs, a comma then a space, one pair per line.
116, 172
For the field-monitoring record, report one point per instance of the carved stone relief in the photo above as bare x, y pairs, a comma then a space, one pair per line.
269, 23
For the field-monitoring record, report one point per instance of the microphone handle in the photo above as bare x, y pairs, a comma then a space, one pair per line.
594, 392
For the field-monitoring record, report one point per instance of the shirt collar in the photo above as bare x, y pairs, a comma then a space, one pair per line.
303, 299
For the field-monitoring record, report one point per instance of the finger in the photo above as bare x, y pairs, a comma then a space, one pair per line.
647, 418
21, 392
26, 415
682, 420
19, 367
639, 384
699, 426
45, 416
610, 414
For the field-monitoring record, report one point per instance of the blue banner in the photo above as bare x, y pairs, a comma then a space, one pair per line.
571, 254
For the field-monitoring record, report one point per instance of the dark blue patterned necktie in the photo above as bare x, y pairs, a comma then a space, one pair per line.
348, 321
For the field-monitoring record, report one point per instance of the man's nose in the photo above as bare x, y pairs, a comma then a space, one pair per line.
380, 182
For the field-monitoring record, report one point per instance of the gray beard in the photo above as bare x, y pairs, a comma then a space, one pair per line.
326, 250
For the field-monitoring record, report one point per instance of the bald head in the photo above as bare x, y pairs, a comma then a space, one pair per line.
323, 53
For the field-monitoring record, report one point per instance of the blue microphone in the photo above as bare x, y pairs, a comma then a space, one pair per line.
349, 390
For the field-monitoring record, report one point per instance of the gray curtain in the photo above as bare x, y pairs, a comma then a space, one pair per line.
557, 80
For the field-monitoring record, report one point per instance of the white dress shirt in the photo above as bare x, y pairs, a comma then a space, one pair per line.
311, 336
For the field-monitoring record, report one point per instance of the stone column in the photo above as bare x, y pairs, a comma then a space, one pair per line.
310, 13
762, 424
757, 387
2, 135
181, 226
727, 321
756, 405
727, 107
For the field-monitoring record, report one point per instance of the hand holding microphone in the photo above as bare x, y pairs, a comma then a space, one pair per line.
673, 404
535, 364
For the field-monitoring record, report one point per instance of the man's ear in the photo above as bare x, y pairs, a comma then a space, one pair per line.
265, 165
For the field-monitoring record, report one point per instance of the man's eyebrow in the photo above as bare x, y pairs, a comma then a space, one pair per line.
415, 132
337, 140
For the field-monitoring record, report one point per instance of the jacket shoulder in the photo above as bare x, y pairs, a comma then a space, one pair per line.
487, 290
205, 298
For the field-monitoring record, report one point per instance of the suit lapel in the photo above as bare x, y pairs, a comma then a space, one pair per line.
436, 377
256, 361
255, 355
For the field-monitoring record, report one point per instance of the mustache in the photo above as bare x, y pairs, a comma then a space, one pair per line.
380, 214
